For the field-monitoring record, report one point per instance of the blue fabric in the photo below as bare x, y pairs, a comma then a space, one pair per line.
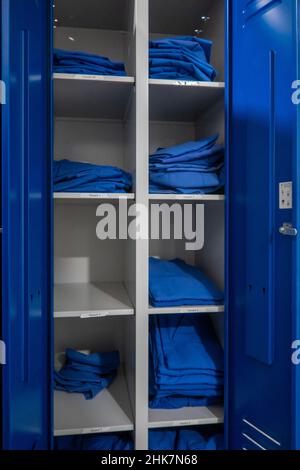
190, 168
85, 64
97, 442
181, 58
185, 439
80, 177
175, 283
186, 362
87, 374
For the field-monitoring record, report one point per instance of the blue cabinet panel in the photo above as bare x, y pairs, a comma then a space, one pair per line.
26, 209
262, 150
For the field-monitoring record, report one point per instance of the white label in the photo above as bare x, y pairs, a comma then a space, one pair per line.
94, 315
286, 195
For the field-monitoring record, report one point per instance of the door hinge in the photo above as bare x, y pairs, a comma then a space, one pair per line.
2, 92
2, 353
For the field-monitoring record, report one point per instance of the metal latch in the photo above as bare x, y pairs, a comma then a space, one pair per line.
289, 230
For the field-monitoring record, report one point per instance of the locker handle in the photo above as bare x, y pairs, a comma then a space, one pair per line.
288, 230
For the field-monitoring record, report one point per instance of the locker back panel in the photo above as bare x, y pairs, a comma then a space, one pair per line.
262, 122
26, 223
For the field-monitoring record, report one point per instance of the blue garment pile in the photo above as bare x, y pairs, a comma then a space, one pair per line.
85, 64
186, 362
181, 58
185, 439
190, 168
87, 373
77, 177
175, 283
98, 442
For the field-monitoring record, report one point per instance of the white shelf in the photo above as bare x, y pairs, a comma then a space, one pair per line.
91, 96
110, 411
188, 309
187, 197
176, 17
82, 198
91, 300
192, 416
173, 100
95, 14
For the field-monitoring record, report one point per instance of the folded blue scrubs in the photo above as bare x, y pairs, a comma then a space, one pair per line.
175, 283
181, 58
185, 439
85, 64
77, 177
97, 442
87, 374
186, 362
190, 168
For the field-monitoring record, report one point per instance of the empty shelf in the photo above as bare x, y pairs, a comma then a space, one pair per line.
188, 309
91, 300
110, 411
187, 197
184, 19
172, 100
106, 14
186, 417
72, 198
91, 96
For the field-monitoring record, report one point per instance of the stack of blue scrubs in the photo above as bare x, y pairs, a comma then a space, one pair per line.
186, 362
85, 64
175, 283
190, 168
97, 442
77, 177
87, 373
181, 58
185, 439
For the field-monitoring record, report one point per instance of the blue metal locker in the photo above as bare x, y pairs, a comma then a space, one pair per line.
263, 125
262, 250
26, 221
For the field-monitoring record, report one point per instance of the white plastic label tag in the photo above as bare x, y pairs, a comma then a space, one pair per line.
286, 195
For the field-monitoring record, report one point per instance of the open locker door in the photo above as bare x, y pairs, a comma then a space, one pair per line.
262, 227
26, 222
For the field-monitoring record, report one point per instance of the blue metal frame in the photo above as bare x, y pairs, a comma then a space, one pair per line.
227, 5
296, 255
263, 384
27, 303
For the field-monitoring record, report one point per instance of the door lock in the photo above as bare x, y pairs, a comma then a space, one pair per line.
288, 230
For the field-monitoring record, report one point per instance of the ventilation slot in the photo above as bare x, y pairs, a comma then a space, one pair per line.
254, 438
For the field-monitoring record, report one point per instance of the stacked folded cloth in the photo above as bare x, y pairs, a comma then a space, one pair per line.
185, 439
175, 283
186, 362
77, 177
86, 64
181, 58
101, 442
87, 373
190, 168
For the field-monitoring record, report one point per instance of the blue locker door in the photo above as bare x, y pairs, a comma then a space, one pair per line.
26, 221
262, 138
